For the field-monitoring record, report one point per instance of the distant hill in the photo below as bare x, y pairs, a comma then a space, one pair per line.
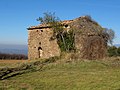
14, 49
117, 45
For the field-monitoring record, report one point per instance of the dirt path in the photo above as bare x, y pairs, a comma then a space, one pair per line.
14, 61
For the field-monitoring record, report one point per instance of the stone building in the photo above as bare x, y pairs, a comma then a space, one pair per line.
39, 43
88, 42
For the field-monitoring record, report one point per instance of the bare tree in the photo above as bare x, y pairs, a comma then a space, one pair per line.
108, 35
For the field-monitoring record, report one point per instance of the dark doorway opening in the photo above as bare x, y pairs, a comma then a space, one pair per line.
40, 52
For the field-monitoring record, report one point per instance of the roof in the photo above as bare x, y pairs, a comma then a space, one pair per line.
86, 24
41, 26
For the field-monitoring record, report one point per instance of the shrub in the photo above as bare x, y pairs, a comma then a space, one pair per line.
113, 51
13, 56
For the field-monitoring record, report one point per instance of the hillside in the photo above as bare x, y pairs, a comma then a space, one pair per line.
13, 49
69, 75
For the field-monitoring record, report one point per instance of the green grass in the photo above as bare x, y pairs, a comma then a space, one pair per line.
75, 75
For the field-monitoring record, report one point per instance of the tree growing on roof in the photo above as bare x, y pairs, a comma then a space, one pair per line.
64, 39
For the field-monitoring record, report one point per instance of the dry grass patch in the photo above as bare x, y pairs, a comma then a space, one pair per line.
73, 75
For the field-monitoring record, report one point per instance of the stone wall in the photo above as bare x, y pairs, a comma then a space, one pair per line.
88, 42
40, 45
90, 47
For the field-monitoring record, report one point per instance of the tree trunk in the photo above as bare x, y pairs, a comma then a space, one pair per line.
63, 42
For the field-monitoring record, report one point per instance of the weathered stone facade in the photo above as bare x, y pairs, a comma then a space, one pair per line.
88, 43
40, 45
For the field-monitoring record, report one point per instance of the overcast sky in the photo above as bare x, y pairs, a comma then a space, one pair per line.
17, 15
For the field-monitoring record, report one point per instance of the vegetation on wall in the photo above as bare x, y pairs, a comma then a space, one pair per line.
69, 41
65, 39
89, 24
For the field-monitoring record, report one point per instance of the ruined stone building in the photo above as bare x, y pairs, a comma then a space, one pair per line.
88, 42
39, 44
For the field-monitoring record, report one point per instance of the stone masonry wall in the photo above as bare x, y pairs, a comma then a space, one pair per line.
90, 47
40, 45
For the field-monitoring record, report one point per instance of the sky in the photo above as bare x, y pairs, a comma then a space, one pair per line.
17, 15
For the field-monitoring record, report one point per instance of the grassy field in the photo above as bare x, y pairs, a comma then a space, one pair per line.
69, 75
